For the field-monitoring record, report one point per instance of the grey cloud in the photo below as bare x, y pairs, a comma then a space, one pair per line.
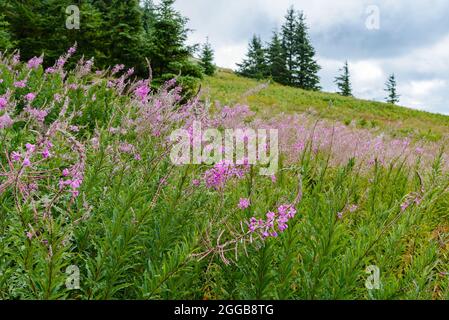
410, 42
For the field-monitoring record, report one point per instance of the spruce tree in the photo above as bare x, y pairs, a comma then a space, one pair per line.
168, 37
6, 41
393, 96
38, 26
122, 31
255, 64
289, 47
276, 59
148, 15
207, 59
343, 81
307, 74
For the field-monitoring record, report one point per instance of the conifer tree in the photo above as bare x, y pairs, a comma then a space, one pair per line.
390, 88
207, 59
148, 15
276, 59
123, 30
5, 37
169, 34
6, 41
289, 47
307, 74
343, 81
255, 64
38, 26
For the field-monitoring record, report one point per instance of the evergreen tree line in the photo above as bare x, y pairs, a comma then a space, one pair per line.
113, 31
289, 58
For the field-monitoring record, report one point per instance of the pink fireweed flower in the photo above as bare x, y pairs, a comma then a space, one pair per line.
275, 221
15, 156
74, 128
20, 84
271, 215
126, 148
75, 184
196, 182
287, 210
130, 72
30, 147
244, 203
46, 153
15, 59
3, 103
273, 178
5, 121
57, 97
72, 50
142, 92
30, 96
137, 157
50, 70
171, 82
404, 206
223, 171
37, 114
29, 235
117, 68
26, 162
65, 172
34, 63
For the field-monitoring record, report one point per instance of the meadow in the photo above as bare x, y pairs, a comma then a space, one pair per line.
87, 188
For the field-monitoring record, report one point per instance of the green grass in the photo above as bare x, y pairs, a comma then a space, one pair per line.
140, 228
229, 88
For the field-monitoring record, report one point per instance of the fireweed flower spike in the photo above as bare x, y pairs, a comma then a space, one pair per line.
244, 203
142, 92
35, 62
30, 97
3, 103
5, 121
275, 222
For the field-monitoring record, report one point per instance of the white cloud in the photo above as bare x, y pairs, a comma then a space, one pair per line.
227, 55
413, 41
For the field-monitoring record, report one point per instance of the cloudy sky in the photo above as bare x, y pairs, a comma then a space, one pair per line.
410, 38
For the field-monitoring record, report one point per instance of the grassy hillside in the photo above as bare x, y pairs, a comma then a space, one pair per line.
228, 88
95, 205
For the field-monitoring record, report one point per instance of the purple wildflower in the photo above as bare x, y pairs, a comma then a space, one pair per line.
15, 156
34, 63
142, 92
5, 121
20, 84
30, 97
3, 103
244, 203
